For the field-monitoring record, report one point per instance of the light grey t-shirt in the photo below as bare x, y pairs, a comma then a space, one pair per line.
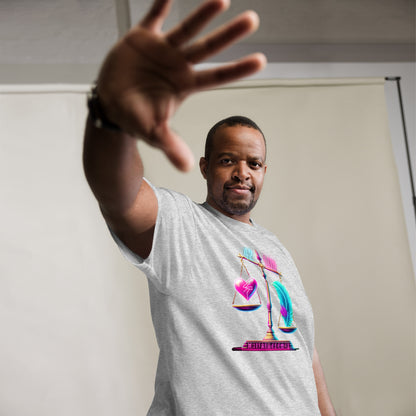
193, 273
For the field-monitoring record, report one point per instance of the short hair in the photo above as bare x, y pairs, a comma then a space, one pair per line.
229, 122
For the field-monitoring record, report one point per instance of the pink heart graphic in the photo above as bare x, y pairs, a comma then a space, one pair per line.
246, 288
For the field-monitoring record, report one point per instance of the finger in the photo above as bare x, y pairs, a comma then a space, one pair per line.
196, 21
155, 17
230, 72
176, 150
213, 43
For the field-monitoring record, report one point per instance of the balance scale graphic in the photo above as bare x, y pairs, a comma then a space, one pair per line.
247, 288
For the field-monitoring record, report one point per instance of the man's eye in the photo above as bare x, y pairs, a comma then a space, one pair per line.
256, 165
226, 161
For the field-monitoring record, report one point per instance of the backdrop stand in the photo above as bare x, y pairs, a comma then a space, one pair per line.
406, 140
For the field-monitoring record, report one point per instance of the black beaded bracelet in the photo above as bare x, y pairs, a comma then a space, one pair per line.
96, 113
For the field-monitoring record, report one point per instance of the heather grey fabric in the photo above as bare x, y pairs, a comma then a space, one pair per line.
191, 272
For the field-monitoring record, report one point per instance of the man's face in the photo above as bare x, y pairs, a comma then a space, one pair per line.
235, 170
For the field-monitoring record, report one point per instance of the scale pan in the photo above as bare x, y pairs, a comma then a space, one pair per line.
246, 307
288, 329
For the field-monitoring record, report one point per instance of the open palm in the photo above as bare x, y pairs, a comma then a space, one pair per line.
148, 73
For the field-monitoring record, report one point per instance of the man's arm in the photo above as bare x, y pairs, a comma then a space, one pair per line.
142, 82
324, 401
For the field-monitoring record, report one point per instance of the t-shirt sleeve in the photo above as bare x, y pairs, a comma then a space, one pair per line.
172, 240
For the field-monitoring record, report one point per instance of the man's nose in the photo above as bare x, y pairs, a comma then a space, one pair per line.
241, 171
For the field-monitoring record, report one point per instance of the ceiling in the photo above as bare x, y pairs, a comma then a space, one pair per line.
71, 34
315, 21
317, 30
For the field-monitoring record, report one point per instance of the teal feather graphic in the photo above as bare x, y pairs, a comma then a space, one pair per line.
285, 303
248, 253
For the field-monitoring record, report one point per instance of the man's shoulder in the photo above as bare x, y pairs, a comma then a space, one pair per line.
172, 200
163, 192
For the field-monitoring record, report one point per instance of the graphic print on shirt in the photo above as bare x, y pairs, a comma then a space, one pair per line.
246, 290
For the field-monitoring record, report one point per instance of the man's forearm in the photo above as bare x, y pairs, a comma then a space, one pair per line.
324, 401
112, 166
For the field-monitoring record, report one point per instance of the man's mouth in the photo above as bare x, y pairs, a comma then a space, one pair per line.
240, 188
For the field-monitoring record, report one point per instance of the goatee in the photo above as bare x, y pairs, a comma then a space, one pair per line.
237, 207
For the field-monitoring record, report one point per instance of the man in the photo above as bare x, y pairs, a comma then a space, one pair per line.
193, 253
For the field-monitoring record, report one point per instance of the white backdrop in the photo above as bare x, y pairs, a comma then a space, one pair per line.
77, 336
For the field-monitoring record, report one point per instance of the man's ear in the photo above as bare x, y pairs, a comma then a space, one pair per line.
203, 166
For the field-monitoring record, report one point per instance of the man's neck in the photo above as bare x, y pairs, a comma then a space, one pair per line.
245, 218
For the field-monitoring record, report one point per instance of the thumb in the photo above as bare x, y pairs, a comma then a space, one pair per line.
176, 150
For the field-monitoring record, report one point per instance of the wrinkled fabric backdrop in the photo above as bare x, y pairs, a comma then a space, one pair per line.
76, 331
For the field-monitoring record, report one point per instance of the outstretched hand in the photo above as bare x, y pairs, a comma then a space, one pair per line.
147, 74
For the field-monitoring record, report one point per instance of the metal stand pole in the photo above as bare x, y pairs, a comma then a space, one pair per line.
409, 163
